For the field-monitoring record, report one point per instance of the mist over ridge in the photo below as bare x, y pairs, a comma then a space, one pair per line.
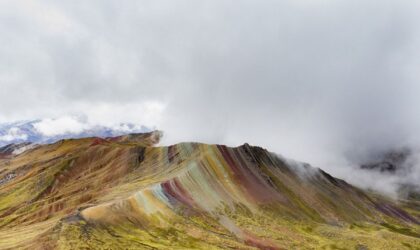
329, 83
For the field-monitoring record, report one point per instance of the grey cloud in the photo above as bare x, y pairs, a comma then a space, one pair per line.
323, 81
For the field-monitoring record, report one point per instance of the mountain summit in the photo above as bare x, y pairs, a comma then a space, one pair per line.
127, 193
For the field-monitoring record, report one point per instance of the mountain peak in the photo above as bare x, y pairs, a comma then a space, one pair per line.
74, 193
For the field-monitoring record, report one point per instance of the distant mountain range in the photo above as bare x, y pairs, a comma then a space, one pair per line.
401, 163
51, 130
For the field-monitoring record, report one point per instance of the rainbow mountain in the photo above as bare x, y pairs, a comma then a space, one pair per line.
126, 192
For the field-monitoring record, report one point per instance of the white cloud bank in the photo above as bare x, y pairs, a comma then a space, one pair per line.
59, 126
13, 134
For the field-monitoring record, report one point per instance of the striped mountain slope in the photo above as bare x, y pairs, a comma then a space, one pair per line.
127, 193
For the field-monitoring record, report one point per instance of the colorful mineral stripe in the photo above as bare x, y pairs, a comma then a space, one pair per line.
126, 193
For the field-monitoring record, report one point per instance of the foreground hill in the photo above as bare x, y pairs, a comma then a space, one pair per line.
126, 193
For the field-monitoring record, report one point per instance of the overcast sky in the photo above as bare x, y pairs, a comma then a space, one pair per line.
319, 81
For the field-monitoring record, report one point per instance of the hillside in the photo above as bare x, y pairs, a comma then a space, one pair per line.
126, 193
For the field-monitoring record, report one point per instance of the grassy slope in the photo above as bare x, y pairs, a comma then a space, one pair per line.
124, 193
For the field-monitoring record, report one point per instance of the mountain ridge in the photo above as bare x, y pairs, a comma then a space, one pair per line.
125, 192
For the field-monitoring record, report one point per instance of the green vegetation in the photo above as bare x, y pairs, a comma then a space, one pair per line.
127, 194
